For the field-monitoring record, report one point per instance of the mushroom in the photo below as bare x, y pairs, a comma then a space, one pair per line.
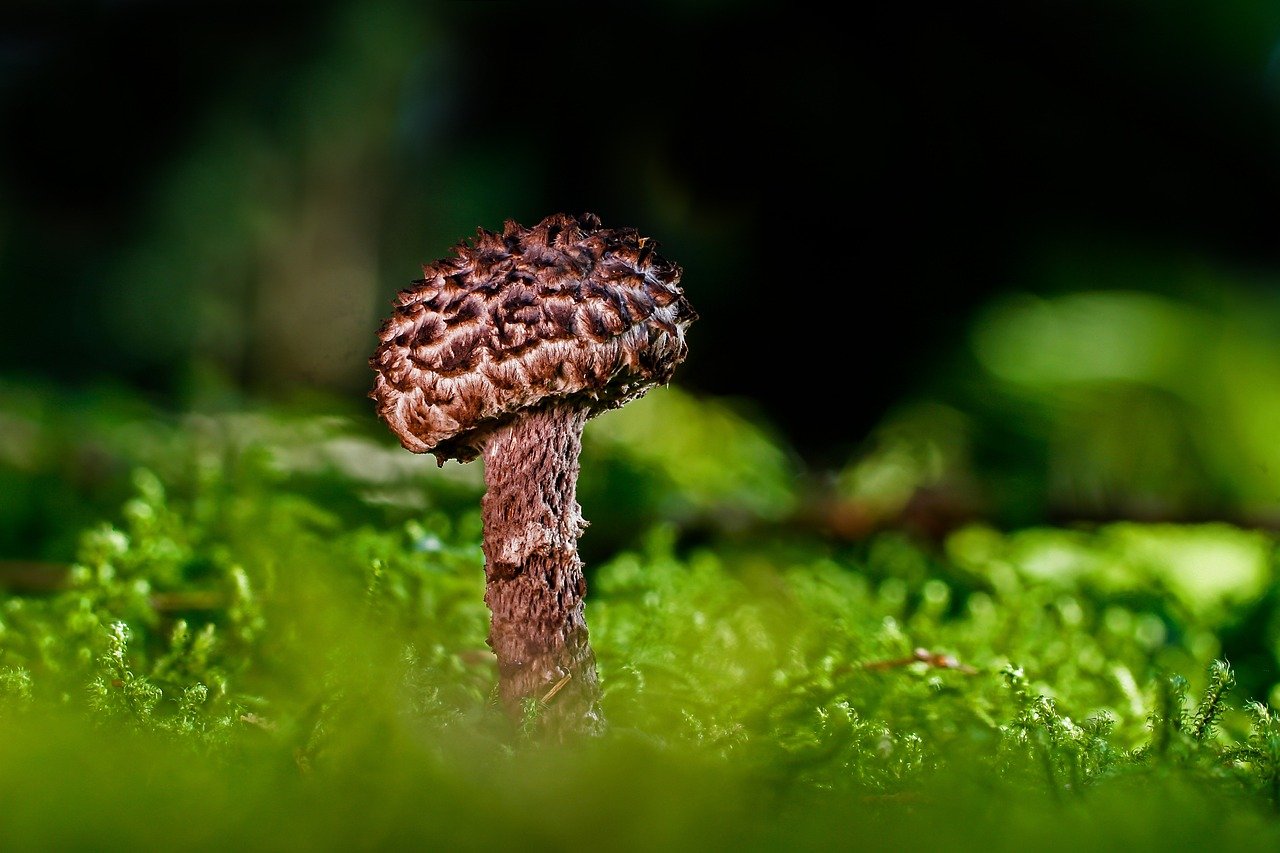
505, 350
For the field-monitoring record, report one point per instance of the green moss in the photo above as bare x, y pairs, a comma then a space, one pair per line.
243, 654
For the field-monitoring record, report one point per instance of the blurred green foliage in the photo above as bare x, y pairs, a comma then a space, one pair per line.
276, 639
1092, 401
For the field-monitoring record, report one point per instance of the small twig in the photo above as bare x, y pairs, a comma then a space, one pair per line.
253, 719
32, 576
939, 661
194, 599
556, 688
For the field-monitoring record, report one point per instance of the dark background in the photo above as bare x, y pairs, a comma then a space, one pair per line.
844, 189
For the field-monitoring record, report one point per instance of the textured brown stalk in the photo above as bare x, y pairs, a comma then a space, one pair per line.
534, 579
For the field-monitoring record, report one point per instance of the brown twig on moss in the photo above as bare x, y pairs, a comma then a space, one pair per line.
932, 659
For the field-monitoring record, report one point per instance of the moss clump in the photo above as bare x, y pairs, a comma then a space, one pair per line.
268, 652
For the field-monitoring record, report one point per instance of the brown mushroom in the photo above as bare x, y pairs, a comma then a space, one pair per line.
506, 349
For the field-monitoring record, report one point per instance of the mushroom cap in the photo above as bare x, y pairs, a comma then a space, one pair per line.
564, 312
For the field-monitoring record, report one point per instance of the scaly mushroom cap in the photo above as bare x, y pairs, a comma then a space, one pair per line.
564, 311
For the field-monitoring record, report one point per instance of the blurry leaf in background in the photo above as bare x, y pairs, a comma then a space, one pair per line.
919, 449
1092, 404
1084, 337
697, 462
1210, 570
1149, 404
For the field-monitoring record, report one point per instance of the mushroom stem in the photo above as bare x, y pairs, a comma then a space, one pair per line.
534, 578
